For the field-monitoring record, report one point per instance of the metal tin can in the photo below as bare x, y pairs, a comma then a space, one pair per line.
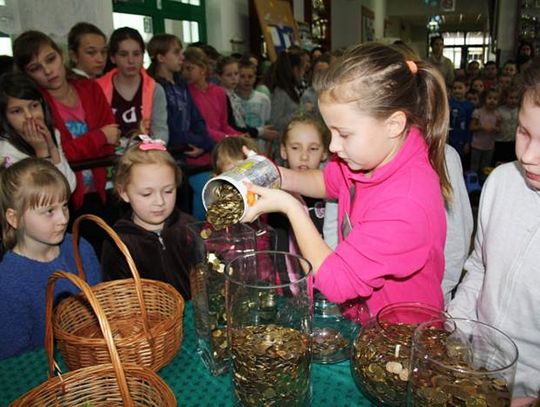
255, 169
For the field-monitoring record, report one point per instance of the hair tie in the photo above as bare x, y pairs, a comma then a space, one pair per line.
148, 143
412, 66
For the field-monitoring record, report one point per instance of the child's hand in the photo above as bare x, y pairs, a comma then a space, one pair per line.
194, 151
269, 133
33, 136
44, 131
112, 133
268, 200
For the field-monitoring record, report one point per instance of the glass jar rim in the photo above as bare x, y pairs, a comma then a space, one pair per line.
419, 347
301, 259
412, 305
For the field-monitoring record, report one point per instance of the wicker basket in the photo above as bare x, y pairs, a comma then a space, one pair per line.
116, 384
145, 317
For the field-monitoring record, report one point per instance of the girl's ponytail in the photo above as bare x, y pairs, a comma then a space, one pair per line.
433, 108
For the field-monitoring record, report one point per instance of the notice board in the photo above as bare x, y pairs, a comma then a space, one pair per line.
277, 25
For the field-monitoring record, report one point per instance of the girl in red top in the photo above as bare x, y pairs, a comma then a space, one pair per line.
79, 109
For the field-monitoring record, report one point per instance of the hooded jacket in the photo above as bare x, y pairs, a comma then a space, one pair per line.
163, 257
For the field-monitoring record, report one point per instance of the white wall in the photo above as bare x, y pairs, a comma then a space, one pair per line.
55, 17
225, 21
347, 20
506, 29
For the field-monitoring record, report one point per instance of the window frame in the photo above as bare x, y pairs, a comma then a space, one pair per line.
159, 10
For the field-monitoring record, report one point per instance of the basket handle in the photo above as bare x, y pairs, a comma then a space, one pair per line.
103, 323
125, 251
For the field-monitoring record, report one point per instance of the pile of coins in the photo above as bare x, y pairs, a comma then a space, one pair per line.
271, 365
227, 208
448, 383
380, 361
327, 342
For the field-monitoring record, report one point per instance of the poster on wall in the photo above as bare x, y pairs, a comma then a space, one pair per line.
277, 25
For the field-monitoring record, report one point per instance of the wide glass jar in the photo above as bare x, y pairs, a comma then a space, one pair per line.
269, 314
212, 250
381, 353
460, 362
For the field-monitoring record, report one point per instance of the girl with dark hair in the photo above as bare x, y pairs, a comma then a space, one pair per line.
138, 102
87, 47
79, 111
27, 129
289, 70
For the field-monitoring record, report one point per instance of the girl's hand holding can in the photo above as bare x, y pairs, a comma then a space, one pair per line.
267, 200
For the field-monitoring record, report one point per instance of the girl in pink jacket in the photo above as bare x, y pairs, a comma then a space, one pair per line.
389, 118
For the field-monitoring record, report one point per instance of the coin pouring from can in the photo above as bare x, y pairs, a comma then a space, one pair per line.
255, 169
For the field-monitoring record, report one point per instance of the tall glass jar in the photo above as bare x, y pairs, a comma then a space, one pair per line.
212, 250
381, 352
269, 312
460, 362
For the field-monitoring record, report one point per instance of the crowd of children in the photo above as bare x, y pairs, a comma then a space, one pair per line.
372, 189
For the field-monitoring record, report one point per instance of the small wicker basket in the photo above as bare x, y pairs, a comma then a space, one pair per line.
146, 317
116, 384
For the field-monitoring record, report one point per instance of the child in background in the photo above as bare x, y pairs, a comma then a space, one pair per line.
460, 119
510, 68
227, 70
208, 97
304, 147
490, 75
87, 47
390, 182
34, 217
501, 285
27, 129
211, 100
474, 97
485, 126
138, 102
505, 140
289, 70
79, 111
187, 129
503, 83
478, 85
256, 106
146, 177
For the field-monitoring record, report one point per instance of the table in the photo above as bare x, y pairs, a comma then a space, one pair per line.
191, 382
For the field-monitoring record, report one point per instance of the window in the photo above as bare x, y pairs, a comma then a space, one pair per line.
463, 47
184, 18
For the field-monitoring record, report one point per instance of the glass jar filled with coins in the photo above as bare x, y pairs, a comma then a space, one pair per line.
460, 362
269, 314
334, 328
212, 249
381, 353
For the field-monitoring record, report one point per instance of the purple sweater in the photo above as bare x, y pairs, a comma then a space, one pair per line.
395, 250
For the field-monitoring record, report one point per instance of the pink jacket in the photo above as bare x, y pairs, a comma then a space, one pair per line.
212, 103
395, 250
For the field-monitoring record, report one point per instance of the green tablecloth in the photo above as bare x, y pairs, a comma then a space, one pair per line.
191, 382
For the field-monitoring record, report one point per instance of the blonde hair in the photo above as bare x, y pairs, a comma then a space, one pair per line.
379, 81
305, 118
135, 156
229, 149
28, 184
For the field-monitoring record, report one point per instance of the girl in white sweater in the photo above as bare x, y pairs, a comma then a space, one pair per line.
502, 284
